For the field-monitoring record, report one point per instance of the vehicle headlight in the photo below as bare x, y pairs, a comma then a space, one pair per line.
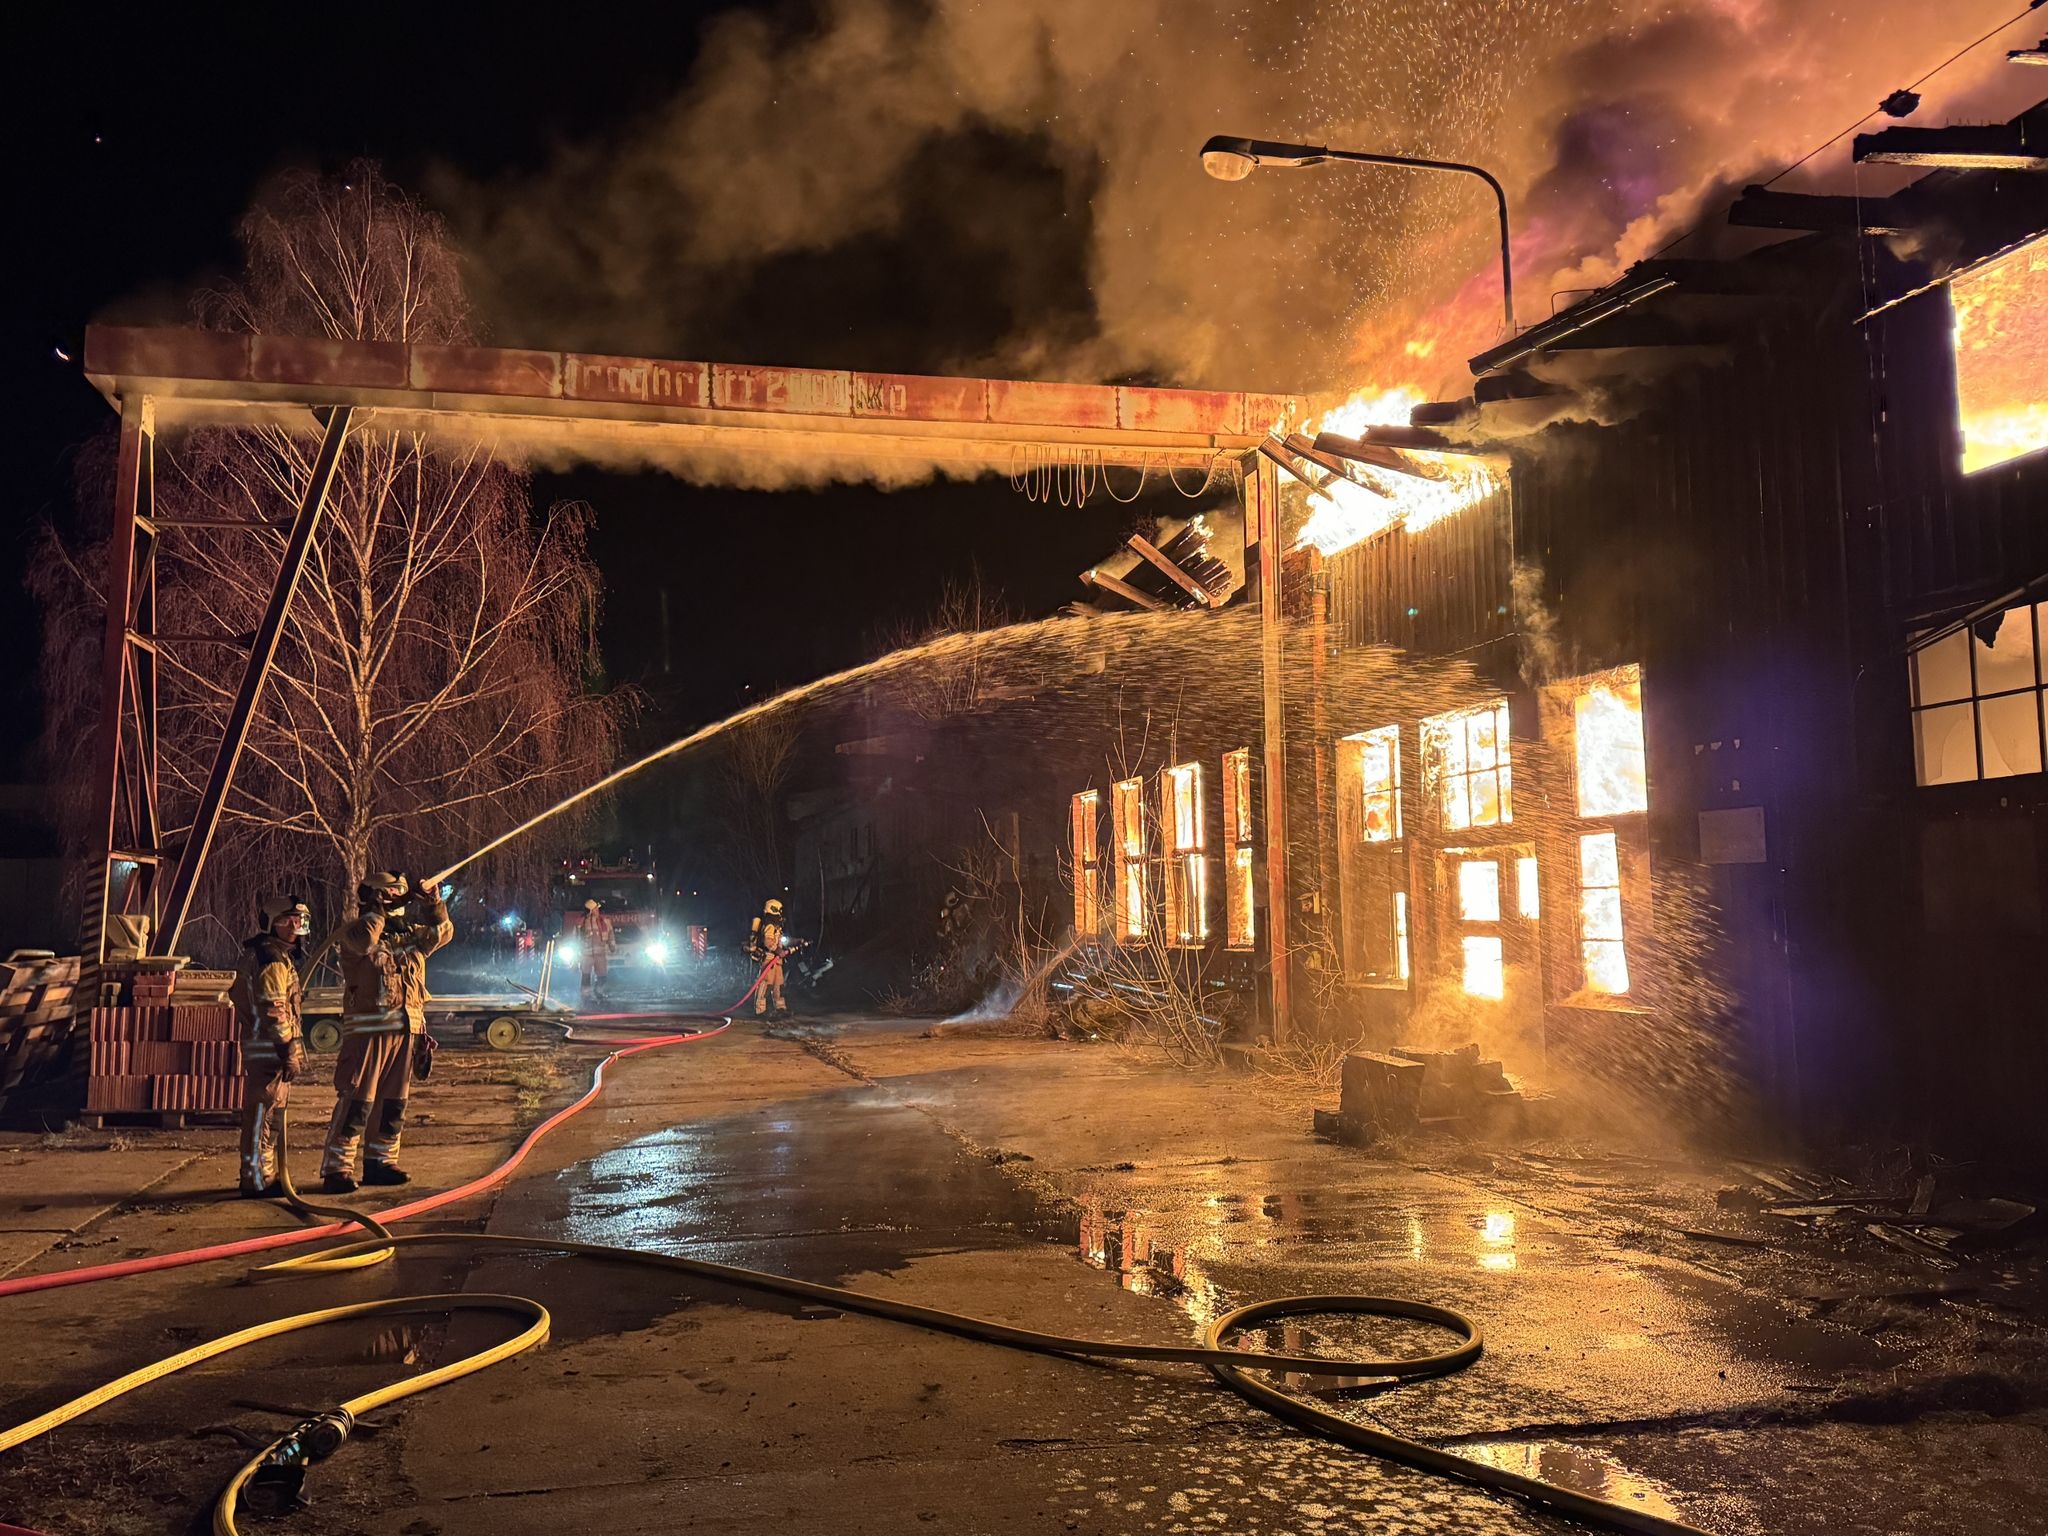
568, 951
657, 952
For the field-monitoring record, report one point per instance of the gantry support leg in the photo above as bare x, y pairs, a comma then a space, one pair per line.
213, 798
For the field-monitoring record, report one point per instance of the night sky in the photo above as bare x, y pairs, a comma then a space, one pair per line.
148, 139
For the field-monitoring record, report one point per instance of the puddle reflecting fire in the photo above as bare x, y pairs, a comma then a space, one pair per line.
1576, 1467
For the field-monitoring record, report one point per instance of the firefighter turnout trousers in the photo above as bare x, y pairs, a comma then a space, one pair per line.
372, 1080
771, 982
264, 1095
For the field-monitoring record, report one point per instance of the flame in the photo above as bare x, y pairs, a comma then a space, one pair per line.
2001, 346
1344, 514
1607, 733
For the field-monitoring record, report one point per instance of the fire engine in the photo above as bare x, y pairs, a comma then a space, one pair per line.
632, 900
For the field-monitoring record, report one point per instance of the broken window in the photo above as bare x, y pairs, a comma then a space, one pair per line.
1979, 708
1607, 742
1133, 895
1466, 756
1086, 845
1187, 864
1372, 864
1601, 949
1237, 841
1379, 775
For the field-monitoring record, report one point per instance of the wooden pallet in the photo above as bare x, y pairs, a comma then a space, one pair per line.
157, 1119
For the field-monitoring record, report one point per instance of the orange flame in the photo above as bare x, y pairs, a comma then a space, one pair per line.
1607, 730
2001, 344
1344, 514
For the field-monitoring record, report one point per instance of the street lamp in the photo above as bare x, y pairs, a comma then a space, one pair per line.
1228, 158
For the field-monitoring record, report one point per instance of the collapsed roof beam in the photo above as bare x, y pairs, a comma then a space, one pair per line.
1338, 446
1316, 472
1172, 571
1123, 589
1761, 208
1967, 147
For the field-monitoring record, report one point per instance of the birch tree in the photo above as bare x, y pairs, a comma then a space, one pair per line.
437, 676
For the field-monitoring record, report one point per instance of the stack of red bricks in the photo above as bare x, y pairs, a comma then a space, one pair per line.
36, 1007
152, 1054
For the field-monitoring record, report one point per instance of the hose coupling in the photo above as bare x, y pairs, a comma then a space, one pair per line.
277, 1487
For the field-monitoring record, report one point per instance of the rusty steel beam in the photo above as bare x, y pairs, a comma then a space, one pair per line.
1991, 147
109, 751
659, 404
1173, 573
1123, 589
263, 650
1262, 531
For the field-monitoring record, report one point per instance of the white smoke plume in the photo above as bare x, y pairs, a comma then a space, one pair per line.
1052, 138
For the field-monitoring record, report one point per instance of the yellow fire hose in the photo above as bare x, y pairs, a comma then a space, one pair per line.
269, 1481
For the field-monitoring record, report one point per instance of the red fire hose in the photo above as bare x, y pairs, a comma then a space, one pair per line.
29, 1283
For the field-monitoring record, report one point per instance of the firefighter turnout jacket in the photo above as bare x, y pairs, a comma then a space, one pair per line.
384, 969
267, 994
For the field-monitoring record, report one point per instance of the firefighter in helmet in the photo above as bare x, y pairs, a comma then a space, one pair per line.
384, 1039
267, 990
765, 945
599, 940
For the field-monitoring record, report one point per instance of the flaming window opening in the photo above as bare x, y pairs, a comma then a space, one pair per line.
1600, 932
1607, 738
2001, 351
1379, 775
1087, 855
1237, 830
1528, 888
1133, 893
1187, 867
1485, 966
1466, 753
1401, 934
1479, 891
1344, 513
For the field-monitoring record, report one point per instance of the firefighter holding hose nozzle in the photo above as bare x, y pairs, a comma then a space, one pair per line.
384, 1039
269, 984
767, 946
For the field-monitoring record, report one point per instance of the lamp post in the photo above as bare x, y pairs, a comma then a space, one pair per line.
1228, 158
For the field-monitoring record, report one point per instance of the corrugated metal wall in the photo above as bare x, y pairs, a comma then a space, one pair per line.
1442, 590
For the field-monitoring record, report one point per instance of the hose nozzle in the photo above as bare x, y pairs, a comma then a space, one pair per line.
278, 1486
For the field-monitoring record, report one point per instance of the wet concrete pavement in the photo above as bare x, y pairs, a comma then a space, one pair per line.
1075, 1189
1080, 1189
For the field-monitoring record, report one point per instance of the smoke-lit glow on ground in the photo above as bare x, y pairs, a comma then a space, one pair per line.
1342, 514
2001, 341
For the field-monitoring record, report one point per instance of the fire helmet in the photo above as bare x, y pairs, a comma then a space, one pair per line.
383, 889
774, 907
591, 904
271, 910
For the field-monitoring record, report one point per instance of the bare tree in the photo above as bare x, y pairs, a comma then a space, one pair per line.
431, 684
753, 775
951, 685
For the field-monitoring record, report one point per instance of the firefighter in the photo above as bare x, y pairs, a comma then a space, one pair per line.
268, 987
598, 943
765, 945
384, 1039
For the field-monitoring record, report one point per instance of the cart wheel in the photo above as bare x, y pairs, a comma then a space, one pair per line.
323, 1035
502, 1033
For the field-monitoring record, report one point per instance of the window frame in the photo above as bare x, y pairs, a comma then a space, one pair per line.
1130, 862
1184, 851
1240, 909
1974, 701
1440, 778
1087, 858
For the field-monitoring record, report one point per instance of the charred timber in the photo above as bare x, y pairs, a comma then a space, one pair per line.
2000, 147
1761, 208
